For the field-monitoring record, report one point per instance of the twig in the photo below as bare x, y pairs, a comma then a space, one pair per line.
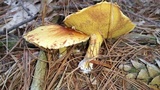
60, 81
144, 18
70, 7
2, 32
25, 9
11, 49
142, 39
60, 68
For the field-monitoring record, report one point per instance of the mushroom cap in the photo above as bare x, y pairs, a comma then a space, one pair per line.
103, 18
55, 37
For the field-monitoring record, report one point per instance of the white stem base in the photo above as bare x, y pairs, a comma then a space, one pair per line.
85, 66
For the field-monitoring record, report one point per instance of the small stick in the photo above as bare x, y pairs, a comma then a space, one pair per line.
2, 32
146, 19
25, 9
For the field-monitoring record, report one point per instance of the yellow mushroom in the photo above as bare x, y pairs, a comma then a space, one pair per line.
100, 21
55, 37
97, 22
51, 37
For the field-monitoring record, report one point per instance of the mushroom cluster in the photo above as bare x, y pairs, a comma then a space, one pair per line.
97, 22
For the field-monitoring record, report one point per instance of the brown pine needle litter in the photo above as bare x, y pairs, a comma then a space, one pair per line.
113, 68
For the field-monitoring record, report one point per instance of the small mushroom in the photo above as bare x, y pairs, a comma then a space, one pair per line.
55, 37
101, 21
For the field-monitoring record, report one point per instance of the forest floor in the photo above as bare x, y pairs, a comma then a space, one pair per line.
18, 58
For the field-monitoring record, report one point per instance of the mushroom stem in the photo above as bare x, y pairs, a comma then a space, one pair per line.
62, 52
92, 52
94, 46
